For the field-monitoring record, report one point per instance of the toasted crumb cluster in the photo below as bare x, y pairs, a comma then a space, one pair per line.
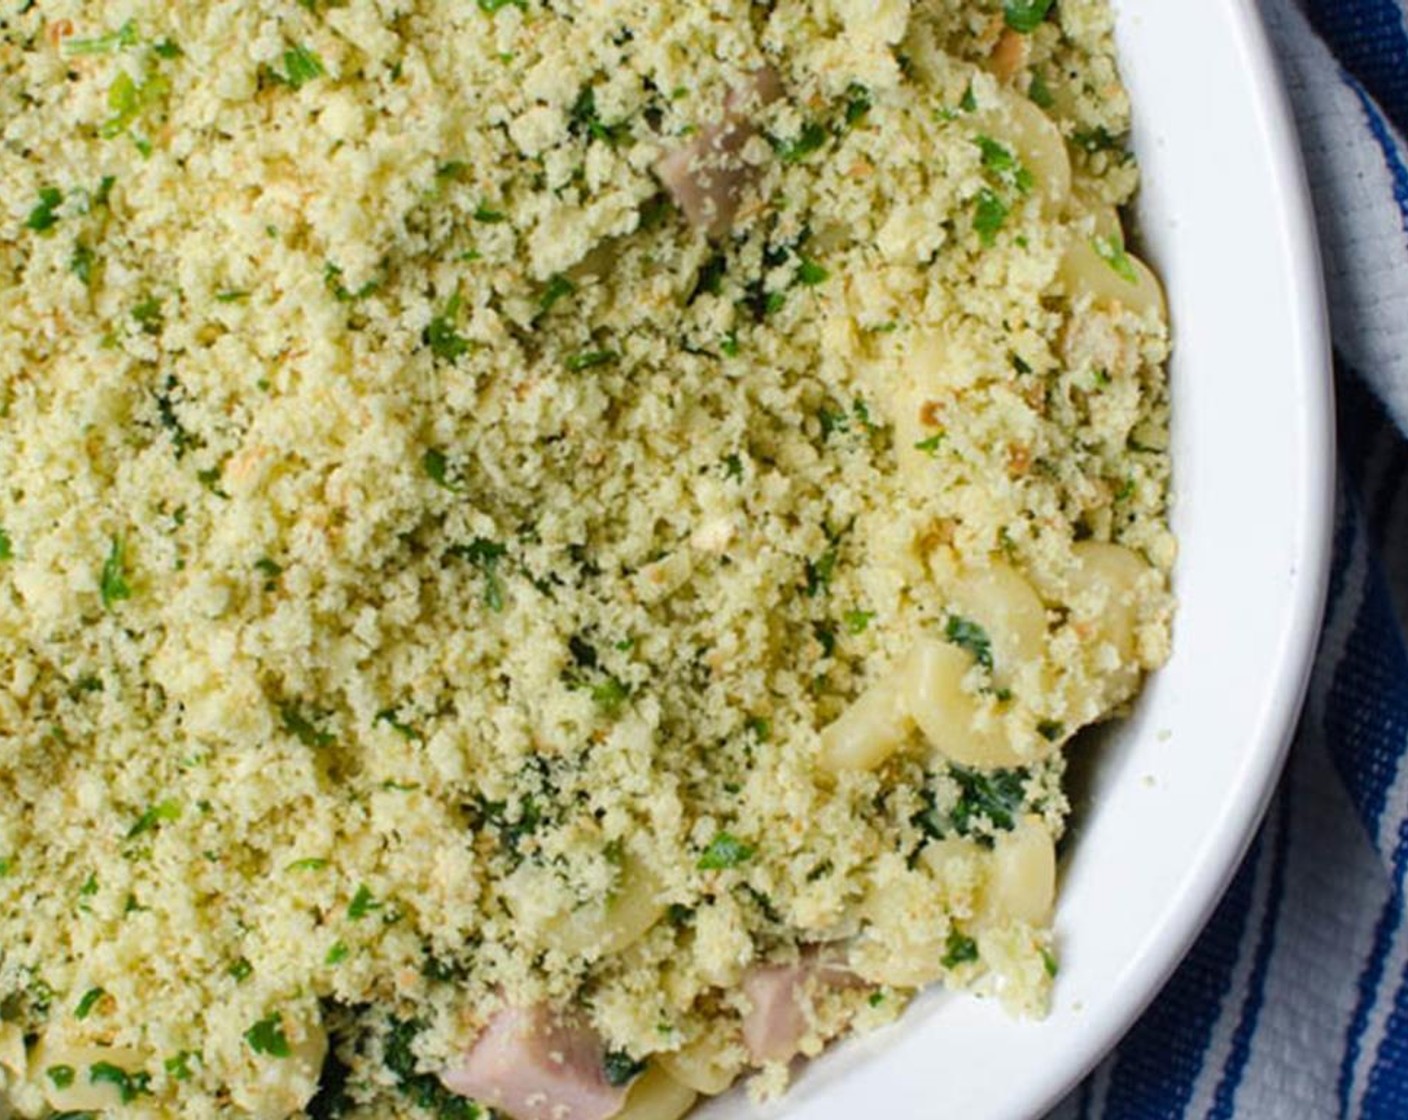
416, 536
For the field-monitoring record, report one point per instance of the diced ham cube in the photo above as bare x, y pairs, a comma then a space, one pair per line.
779, 995
529, 1064
707, 176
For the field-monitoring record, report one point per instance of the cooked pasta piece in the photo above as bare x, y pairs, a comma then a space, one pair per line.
616, 922
708, 1065
1101, 268
1023, 883
282, 1084
83, 1077
1036, 141
657, 1096
870, 730
1011, 614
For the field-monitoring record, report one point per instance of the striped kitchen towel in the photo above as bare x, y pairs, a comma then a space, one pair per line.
1294, 1003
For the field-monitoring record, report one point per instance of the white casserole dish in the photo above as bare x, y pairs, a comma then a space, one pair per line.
1177, 790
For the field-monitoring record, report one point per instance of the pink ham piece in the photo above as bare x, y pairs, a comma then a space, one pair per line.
776, 1021
530, 1065
707, 176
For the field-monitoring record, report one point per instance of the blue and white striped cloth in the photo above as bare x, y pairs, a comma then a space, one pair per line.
1294, 1003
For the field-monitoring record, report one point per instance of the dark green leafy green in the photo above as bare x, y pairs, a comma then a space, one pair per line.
968, 635
267, 1037
1025, 15
725, 851
45, 216
960, 949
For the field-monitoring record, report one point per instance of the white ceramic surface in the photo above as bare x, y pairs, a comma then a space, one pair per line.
1178, 789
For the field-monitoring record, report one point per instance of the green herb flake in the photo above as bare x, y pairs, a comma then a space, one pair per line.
1040, 93
267, 1037
960, 949
1112, 252
931, 445
1051, 730
729, 346
392, 718
586, 121
724, 852
858, 622
129, 1086
362, 904
178, 1066
971, 637
807, 142
81, 264
302, 65
759, 728
1025, 16
167, 49
558, 288
989, 216
162, 812
619, 1068
301, 726
590, 360
113, 41
488, 215
489, 7
44, 216
485, 555
337, 953
444, 341
7, 548
858, 104
811, 274
61, 1076
314, 864
1049, 962
88, 1002
90, 886
819, 573
876, 998
437, 468
241, 970
610, 696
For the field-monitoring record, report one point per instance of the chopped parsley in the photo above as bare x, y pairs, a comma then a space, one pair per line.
610, 696
337, 953
45, 216
392, 718
858, 622
113, 41
489, 216
820, 571
858, 104
437, 468
88, 1002
160, 813
620, 1068
485, 555
129, 1086
61, 1076
7, 548
811, 274
81, 264
1049, 963
241, 970
301, 726
1003, 165
724, 852
558, 288
931, 445
960, 949
1112, 252
807, 142
989, 216
302, 65
586, 121
1025, 15
590, 360
442, 338
492, 6
422, 1089
1051, 730
1040, 93
362, 904
267, 1037
970, 636
759, 727
992, 800
178, 1066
